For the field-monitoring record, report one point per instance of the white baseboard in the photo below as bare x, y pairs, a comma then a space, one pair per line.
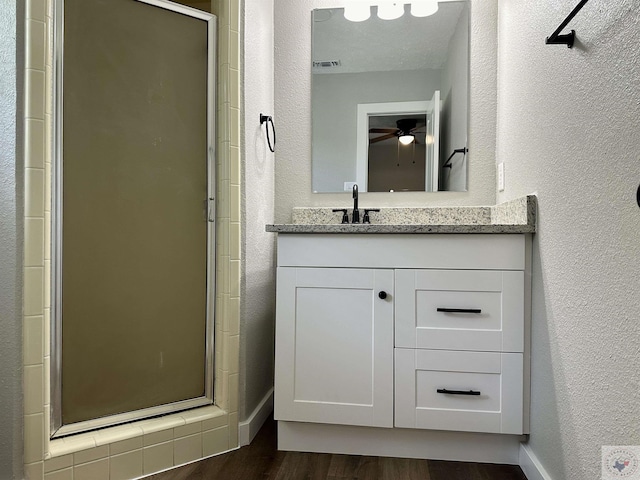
530, 464
248, 429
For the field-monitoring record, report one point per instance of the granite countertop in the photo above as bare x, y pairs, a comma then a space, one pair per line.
515, 216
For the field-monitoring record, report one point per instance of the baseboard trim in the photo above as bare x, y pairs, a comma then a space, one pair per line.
248, 429
530, 464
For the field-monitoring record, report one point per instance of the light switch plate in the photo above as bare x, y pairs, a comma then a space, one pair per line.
501, 177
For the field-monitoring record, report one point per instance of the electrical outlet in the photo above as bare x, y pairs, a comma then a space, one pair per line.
348, 186
501, 177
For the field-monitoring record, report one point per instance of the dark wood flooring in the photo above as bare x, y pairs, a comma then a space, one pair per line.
261, 460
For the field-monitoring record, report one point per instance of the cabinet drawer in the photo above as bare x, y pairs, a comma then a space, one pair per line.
476, 310
463, 391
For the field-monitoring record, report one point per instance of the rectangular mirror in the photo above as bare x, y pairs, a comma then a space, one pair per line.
389, 102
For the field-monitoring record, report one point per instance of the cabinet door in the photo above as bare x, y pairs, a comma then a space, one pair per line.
477, 310
463, 391
334, 346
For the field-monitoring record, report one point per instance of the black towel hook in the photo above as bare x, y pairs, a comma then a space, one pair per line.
447, 163
568, 38
268, 120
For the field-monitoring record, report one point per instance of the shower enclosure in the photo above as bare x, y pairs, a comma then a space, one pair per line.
133, 270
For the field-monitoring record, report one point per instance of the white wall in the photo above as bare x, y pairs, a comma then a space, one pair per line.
455, 98
11, 228
257, 314
335, 102
568, 129
293, 115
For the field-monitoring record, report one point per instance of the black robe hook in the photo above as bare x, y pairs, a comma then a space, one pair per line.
568, 38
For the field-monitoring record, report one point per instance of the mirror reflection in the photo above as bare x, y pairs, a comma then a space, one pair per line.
390, 101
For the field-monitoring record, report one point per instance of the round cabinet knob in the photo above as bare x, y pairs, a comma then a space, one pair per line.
382, 295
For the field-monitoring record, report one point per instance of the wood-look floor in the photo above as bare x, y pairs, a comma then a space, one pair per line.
262, 460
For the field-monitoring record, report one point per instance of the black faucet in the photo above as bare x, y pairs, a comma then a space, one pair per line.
356, 213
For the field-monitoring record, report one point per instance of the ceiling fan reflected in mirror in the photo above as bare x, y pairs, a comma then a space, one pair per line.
405, 131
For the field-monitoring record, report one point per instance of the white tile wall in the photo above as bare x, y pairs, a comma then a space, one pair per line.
158, 457
152, 445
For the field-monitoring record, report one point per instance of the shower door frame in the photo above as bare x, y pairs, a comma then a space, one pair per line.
58, 430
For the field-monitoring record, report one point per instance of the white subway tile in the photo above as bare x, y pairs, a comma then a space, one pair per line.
187, 449
126, 466
33, 338
215, 441
34, 438
65, 474
33, 290
58, 463
34, 132
33, 471
36, 9
158, 437
98, 470
36, 46
34, 192
33, 390
186, 430
124, 446
35, 94
90, 455
233, 430
157, 457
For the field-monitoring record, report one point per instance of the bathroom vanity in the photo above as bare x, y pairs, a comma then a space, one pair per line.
405, 339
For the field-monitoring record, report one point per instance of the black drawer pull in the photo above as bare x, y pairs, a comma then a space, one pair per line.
457, 392
459, 310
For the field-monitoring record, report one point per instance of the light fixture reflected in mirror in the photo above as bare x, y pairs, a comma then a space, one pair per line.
424, 8
360, 10
357, 10
406, 138
390, 10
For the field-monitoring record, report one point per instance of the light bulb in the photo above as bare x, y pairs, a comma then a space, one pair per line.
406, 139
424, 8
390, 10
357, 11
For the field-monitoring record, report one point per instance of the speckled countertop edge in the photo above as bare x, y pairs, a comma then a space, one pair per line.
359, 228
515, 216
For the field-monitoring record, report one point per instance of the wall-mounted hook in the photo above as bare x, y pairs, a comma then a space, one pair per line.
567, 39
268, 120
457, 150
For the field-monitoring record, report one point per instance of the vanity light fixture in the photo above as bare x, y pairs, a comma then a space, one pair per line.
406, 138
390, 10
424, 8
357, 10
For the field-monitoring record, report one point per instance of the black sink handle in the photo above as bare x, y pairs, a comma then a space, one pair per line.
345, 218
366, 218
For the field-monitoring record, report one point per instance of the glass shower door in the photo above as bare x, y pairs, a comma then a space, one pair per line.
134, 273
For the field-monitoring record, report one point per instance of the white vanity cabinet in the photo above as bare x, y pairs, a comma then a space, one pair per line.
443, 349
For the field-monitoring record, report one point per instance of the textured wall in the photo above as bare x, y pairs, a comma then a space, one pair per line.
258, 246
455, 98
293, 114
568, 123
11, 227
